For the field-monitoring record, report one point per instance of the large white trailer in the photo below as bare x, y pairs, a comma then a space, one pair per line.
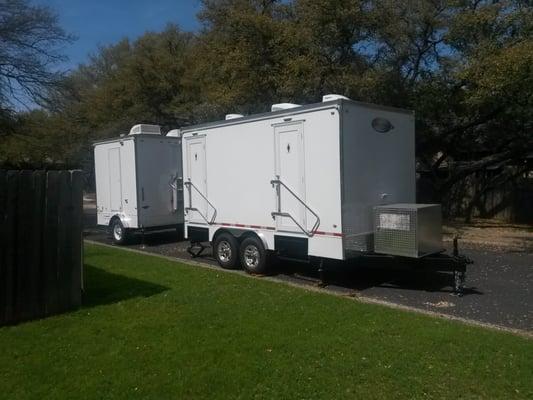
138, 182
301, 181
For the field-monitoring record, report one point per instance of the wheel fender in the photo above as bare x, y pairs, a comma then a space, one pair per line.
263, 239
126, 221
240, 233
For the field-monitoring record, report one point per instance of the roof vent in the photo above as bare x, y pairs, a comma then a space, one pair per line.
283, 106
174, 133
144, 129
234, 116
331, 97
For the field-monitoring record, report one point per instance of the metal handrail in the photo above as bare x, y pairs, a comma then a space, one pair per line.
279, 213
173, 184
212, 220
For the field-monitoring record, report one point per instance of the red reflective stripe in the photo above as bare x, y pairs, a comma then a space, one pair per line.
328, 233
271, 228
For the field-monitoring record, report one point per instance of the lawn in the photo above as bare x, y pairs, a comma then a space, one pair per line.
153, 328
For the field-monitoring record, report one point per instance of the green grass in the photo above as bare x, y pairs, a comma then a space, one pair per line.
152, 328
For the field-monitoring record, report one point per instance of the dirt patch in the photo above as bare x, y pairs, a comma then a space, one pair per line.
491, 234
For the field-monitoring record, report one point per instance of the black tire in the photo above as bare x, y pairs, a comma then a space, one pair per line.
226, 251
119, 234
254, 257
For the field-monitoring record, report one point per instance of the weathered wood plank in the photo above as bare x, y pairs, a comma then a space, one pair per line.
36, 238
50, 244
64, 269
23, 245
10, 243
3, 211
76, 234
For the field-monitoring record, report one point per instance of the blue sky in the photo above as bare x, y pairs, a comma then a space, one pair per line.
100, 22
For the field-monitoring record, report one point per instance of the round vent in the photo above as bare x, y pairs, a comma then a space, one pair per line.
381, 125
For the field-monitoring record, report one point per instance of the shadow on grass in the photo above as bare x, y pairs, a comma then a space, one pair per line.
102, 287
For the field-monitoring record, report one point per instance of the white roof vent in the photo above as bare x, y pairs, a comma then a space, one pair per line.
174, 133
331, 97
144, 129
233, 116
283, 106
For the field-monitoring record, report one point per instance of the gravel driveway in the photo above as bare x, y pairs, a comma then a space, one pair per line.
498, 284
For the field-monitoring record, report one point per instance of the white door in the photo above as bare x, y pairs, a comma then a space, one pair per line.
290, 169
196, 192
115, 179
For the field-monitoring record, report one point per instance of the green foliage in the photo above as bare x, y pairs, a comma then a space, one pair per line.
128, 83
463, 65
40, 140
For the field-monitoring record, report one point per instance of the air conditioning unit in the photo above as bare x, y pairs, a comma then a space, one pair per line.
145, 129
283, 106
233, 116
174, 133
331, 97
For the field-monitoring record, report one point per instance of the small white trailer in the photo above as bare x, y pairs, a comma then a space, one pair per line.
300, 181
138, 182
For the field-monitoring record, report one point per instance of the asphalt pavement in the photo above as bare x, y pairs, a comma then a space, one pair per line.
498, 285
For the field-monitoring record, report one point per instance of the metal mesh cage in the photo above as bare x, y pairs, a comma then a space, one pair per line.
410, 230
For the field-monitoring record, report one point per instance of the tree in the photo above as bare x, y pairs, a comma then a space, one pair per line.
484, 116
41, 140
236, 59
128, 83
464, 66
29, 40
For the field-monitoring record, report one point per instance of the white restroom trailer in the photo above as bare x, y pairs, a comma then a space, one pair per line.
138, 182
301, 181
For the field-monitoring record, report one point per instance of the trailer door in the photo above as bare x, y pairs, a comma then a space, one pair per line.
196, 175
158, 166
115, 179
290, 170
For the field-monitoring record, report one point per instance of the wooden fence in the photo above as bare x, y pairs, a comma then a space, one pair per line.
510, 202
41, 243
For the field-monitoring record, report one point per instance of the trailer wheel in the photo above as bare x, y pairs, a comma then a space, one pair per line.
118, 232
226, 251
253, 255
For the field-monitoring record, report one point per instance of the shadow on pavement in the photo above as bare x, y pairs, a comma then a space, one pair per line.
363, 276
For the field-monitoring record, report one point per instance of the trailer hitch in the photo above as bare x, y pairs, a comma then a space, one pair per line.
196, 249
459, 273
